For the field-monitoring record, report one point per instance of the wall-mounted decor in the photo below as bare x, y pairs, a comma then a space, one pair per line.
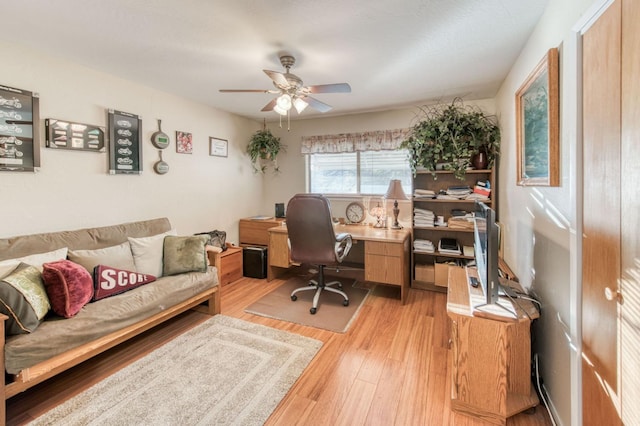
184, 143
19, 130
218, 147
76, 136
160, 139
537, 125
125, 147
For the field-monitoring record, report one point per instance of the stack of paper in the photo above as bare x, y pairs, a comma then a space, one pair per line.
424, 246
423, 217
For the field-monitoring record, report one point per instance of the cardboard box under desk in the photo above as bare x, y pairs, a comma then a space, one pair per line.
442, 274
425, 273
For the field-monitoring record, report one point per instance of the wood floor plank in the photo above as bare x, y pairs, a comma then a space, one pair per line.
390, 367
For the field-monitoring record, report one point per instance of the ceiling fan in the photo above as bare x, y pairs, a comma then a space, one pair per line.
292, 92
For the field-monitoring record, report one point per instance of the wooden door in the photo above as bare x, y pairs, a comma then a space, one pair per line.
601, 218
630, 212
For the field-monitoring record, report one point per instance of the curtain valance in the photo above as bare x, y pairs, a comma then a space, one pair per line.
376, 140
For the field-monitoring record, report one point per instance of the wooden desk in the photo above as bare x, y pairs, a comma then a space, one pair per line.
253, 232
490, 359
386, 254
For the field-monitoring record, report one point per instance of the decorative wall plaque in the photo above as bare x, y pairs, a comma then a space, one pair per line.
125, 143
76, 136
19, 130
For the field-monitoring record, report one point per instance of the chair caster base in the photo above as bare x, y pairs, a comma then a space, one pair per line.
294, 298
313, 311
345, 303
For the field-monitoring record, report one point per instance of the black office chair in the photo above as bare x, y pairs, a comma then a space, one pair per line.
314, 241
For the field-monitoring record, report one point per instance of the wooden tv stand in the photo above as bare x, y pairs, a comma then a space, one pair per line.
490, 357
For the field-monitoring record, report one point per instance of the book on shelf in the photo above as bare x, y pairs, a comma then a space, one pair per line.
482, 190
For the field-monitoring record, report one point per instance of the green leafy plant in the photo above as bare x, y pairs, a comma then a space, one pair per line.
263, 149
450, 135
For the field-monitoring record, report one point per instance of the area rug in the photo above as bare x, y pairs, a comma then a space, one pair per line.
224, 371
331, 314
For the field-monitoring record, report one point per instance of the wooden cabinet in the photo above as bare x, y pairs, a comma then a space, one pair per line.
490, 359
387, 262
279, 252
254, 232
424, 273
228, 263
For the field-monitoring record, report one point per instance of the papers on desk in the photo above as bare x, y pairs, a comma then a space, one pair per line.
261, 217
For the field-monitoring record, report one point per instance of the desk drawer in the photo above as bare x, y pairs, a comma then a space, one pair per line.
384, 269
384, 249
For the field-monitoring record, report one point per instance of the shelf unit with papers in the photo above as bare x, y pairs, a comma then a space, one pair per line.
430, 268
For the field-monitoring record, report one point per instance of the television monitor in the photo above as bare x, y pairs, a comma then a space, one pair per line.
485, 245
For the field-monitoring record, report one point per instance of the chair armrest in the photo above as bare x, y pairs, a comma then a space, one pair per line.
343, 245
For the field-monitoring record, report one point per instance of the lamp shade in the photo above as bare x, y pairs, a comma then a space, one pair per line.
395, 192
284, 102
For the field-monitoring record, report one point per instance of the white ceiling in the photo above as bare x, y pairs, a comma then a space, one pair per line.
393, 53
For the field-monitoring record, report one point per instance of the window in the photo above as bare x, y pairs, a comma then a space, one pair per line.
364, 172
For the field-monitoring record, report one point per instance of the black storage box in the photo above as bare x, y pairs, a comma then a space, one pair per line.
254, 262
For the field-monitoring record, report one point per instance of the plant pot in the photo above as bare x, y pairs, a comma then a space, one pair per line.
480, 160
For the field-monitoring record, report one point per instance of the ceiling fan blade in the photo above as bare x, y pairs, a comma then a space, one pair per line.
330, 88
270, 105
278, 77
244, 91
316, 104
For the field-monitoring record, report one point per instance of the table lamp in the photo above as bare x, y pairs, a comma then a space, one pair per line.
395, 192
378, 212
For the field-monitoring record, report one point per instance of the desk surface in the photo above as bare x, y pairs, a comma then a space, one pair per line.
364, 233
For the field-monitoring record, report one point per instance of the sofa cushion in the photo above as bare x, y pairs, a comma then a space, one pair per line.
108, 281
23, 299
68, 285
118, 256
8, 265
184, 254
147, 253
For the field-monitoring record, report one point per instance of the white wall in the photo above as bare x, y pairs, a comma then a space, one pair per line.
73, 190
279, 188
542, 225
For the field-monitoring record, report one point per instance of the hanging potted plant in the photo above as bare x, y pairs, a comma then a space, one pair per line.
263, 149
453, 137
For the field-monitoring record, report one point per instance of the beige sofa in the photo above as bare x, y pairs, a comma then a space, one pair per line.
58, 344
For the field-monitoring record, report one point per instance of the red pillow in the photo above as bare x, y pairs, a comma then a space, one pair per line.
110, 281
68, 285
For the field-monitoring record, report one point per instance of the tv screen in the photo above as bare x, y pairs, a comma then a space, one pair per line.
485, 245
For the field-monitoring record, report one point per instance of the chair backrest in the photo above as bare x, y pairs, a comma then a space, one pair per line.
310, 230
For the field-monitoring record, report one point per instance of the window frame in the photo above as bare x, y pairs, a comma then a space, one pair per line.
343, 195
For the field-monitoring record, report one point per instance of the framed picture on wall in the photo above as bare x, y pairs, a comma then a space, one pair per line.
19, 130
184, 142
125, 143
218, 147
537, 125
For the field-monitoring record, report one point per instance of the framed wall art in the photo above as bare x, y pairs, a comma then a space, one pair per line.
184, 142
218, 147
62, 134
537, 125
19, 130
125, 147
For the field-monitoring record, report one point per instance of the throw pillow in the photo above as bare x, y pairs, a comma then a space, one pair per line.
147, 253
68, 285
108, 281
117, 256
9, 265
184, 254
23, 299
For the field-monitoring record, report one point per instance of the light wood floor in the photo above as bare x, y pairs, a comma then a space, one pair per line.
390, 368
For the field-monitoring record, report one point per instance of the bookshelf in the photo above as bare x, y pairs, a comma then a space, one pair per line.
429, 269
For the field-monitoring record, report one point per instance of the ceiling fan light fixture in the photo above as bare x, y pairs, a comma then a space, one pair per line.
279, 110
299, 104
284, 102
